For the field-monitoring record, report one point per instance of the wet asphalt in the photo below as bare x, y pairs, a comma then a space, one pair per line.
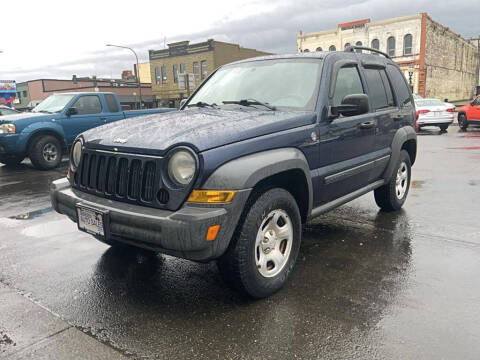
367, 284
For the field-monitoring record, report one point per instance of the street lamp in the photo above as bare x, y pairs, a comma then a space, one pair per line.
136, 70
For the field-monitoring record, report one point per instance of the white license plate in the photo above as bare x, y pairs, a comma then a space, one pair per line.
438, 113
91, 221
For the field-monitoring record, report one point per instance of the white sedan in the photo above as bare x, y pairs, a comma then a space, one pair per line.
433, 112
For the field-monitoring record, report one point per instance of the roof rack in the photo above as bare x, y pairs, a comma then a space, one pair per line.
352, 48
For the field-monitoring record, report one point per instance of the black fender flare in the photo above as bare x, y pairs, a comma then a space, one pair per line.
403, 135
247, 171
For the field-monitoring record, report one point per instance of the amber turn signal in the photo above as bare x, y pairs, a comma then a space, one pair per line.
69, 173
211, 196
212, 232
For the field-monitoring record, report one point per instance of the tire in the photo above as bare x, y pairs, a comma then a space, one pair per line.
462, 122
11, 161
443, 128
258, 262
45, 152
391, 197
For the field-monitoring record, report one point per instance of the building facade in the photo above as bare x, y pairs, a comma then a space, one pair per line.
437, 62
31, 92
168, 65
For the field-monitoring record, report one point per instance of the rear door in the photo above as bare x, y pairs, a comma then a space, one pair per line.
112, 109
89, 112
384, 114
346, 142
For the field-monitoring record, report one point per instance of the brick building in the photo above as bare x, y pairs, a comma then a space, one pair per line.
31, 92
167, 65
437, 62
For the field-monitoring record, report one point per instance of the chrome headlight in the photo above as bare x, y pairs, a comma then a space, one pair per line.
7, 129
77, 153
181, 167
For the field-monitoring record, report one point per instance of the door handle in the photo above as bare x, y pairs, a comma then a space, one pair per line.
367, 125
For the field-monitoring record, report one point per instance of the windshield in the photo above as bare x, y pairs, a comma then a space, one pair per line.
280, 83
54, 103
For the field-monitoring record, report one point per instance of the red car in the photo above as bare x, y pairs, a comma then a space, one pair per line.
469, 114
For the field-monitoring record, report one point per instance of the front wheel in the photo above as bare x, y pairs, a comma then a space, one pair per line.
45, 152
392, 195
462, 122
264, 248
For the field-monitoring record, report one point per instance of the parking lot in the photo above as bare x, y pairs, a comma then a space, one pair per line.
367, 284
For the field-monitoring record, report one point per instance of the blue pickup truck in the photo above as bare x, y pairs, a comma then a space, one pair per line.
48, 131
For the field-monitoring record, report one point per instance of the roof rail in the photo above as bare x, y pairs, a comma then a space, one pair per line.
352, 48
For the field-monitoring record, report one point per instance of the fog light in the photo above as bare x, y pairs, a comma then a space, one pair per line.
212, 232
211, 196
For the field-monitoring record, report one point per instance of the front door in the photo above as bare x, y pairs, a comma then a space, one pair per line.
346, 143
89, 114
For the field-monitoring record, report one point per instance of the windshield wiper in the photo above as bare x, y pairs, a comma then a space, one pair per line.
202, 104
250, 102
43, 111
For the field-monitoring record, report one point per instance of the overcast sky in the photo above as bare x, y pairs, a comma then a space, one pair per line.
58, 38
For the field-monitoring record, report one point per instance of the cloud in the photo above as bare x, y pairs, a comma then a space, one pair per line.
269, 30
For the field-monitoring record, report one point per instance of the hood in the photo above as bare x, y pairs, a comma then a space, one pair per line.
201, 129
24, 119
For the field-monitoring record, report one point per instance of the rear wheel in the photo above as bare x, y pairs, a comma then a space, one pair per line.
45, 152
264, 248
392, 196
11, 161
462, 122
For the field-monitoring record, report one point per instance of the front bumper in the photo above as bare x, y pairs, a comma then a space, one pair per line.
179, 233
9, 144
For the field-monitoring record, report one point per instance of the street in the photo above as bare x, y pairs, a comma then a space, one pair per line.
367, 284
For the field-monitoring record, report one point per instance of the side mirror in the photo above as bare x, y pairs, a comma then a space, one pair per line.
183, 102
353, 104
72, 111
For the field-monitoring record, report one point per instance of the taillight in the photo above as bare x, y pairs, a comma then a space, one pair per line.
419, 112
451, 110
416, 125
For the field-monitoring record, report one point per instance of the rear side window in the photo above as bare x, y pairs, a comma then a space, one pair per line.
399, 85
380, 91
348, 82
111, 103
88, 104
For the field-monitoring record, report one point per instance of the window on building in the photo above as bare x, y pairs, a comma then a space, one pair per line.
346, 45
375, 44
306, 50
407, 44
175, 73
380, 91
164, 74
19, 95
391, 46
348, 82
196, 70
402, 91
182, 69
319, 49
332, 48
112, 102
204, 69
359, 43
157, 75
24, 93
88, 104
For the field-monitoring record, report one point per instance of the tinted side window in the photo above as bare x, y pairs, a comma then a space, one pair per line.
477, 101
88, 104
399, 85
348, 82
388, 88
380, 93
111, 103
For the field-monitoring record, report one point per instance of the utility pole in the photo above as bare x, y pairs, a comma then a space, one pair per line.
137, 71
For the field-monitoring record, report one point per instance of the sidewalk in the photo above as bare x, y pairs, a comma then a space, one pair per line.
28, 331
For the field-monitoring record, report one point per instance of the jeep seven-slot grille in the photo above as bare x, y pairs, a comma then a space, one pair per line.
124, 178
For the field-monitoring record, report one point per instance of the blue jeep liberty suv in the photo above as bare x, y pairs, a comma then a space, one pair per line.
259, 148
